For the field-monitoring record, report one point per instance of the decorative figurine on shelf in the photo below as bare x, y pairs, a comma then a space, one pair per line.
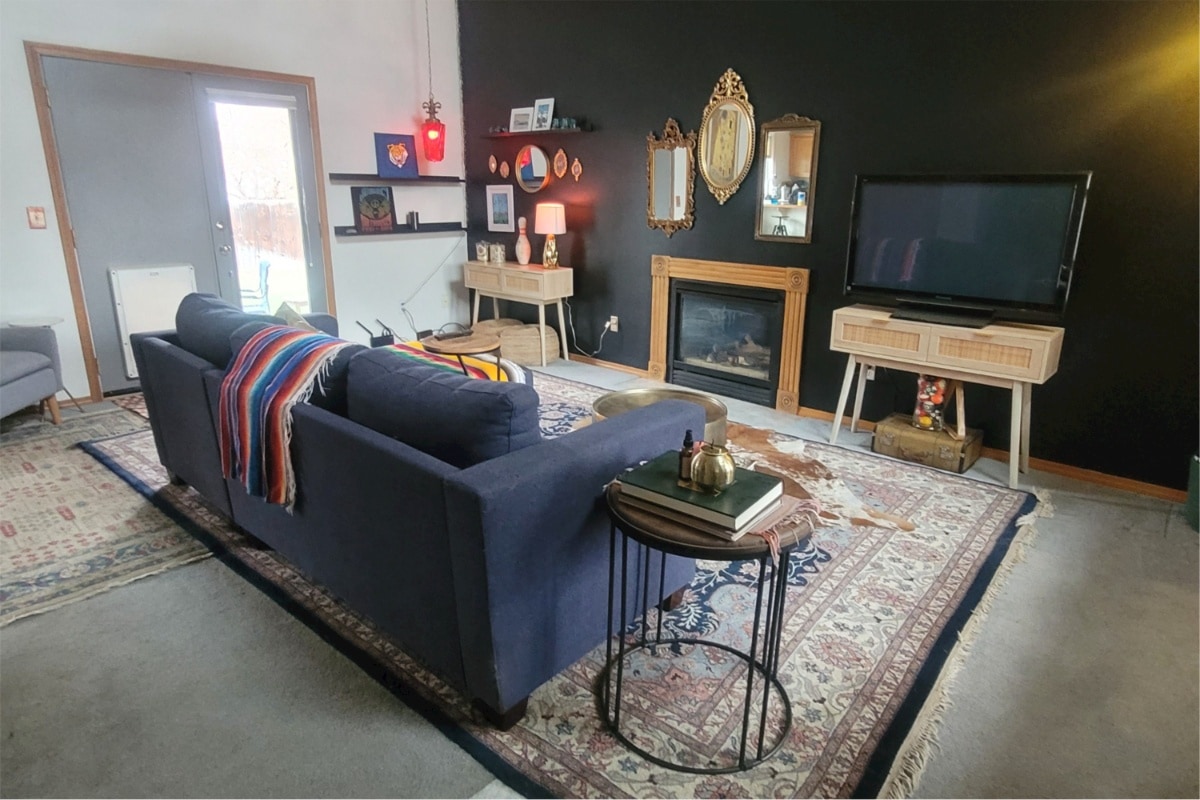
931, 397
523, 250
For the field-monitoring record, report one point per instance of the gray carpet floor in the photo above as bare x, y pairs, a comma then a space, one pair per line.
1082, 681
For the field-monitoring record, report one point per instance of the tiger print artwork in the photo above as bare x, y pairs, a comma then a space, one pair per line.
397, 153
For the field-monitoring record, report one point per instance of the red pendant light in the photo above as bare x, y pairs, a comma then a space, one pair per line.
433, 130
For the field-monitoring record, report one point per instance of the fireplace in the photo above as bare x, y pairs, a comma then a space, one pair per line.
744, 316
726, 339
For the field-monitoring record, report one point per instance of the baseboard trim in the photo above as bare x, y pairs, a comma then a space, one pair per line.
1053, 467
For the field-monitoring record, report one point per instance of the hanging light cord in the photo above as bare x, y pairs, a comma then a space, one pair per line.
429, 52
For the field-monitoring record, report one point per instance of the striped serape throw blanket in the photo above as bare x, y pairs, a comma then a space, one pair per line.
475, 367
278, 368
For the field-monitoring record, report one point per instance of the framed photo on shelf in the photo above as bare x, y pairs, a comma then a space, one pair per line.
520, 120
396, 155
374, 211
543, 112
500, 211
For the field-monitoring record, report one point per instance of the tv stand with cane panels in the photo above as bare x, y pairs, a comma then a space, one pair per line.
1009, 355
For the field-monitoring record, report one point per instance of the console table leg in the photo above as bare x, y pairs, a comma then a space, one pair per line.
858, 398
1014, 433
1027, 391
475, 312
562, 329
841, 406
542, 330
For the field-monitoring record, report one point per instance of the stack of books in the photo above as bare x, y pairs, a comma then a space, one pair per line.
754, 501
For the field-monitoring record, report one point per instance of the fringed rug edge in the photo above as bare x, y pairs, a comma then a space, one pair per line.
922, 741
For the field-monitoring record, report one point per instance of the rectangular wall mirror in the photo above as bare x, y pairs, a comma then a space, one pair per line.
788, 179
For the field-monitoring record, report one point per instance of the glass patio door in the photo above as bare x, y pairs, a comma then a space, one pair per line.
257, 149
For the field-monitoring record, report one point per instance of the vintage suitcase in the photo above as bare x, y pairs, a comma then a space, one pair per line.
897, 436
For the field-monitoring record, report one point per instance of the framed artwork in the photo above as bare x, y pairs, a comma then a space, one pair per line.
500, 209
520, 120
374, 211
396, 155
543, 112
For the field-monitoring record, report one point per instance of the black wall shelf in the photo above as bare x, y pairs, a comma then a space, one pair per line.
365, 177
350, 231
551, 132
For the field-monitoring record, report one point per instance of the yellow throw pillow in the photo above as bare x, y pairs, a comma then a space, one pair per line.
293, 317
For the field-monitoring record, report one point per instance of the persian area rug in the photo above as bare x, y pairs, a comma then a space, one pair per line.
68, 530
133, 401
877, 600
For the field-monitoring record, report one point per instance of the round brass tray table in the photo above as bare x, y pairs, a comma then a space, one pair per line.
715, 412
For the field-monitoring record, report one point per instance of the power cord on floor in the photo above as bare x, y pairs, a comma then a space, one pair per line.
404, 303
571, 324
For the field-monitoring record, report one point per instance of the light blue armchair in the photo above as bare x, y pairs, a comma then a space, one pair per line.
30, 371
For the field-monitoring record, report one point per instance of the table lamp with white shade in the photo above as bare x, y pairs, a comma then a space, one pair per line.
550, 219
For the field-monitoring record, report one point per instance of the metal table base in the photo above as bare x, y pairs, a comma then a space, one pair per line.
766, 667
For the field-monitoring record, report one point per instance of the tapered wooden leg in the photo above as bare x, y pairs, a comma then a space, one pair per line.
55, 414
841, 406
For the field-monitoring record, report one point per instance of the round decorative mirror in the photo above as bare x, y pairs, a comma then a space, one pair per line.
531, 168
727, 137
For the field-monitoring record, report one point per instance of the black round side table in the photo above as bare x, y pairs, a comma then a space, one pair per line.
649, 533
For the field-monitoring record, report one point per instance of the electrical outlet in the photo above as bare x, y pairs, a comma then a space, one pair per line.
612, 323
870, 372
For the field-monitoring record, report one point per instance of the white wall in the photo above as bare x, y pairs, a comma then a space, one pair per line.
369, 62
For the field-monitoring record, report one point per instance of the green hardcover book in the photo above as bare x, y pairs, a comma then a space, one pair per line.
657, 481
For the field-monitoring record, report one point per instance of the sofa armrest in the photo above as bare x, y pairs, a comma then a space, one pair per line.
35, 340
326, 323
530, 544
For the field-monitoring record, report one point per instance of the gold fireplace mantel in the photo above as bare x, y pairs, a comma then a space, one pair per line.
793, 281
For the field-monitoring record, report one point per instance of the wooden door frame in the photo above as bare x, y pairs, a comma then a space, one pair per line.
34, 51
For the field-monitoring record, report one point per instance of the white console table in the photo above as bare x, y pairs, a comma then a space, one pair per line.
1009, 355
531, 283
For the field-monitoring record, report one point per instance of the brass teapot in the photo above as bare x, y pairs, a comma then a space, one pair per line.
712, 467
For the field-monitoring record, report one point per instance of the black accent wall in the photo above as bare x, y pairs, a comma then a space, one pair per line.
899, 87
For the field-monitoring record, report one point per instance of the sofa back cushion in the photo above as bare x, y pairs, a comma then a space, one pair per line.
457, 419
330, 392
204, 323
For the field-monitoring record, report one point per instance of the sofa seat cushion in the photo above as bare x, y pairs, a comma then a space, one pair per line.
457, 419
204, 323
330, 391
16, 364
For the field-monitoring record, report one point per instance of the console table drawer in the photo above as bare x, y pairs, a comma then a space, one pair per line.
1023, 357
876, 334
485, 278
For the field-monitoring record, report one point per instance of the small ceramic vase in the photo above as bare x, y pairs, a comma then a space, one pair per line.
712, 467
523, 250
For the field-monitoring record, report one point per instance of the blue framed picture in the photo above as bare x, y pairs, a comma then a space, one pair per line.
396, 155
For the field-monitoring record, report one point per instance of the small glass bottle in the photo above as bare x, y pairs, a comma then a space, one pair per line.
685, 457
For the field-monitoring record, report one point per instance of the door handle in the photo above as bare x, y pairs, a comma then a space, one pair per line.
220, 226
225, 248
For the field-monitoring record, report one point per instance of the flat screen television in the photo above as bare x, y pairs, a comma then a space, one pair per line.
966, 249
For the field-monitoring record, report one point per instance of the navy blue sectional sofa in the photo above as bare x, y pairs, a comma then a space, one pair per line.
426, 501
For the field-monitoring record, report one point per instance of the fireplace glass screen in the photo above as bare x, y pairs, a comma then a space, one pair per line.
730, 335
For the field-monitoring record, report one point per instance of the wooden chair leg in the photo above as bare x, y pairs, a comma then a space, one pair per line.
55, 414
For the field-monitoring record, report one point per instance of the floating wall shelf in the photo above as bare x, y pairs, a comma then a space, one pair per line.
365, 177
400, 230
551, 132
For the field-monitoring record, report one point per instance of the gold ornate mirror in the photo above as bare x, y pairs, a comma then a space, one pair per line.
670, 178
787, 181
727, 137
531, 168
